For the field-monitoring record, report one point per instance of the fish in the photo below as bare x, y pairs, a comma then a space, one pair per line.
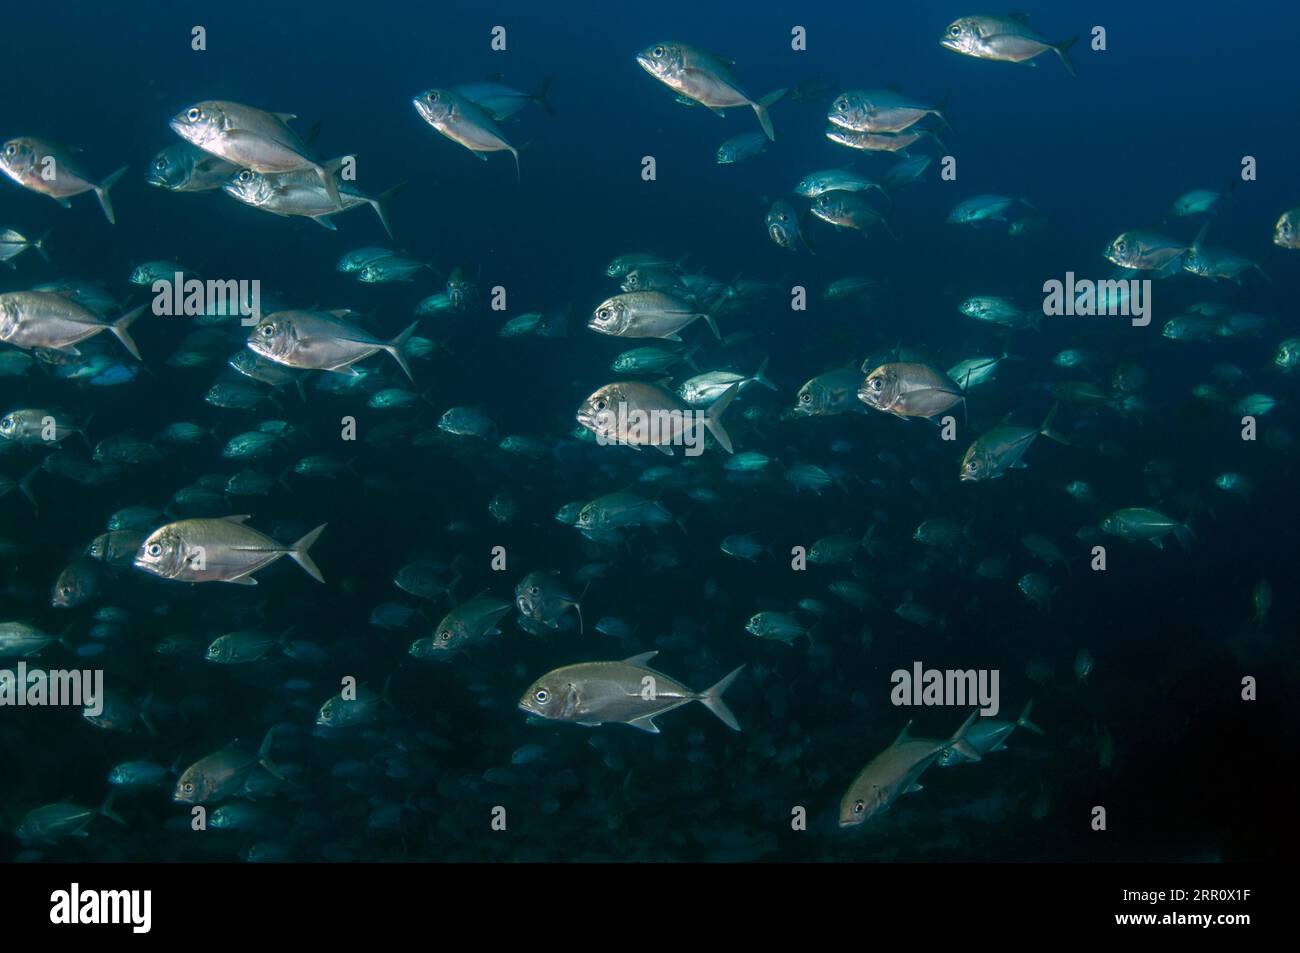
626, 692
835, 392
880, 110
1001, 449
705, 79
300, 194
223, 773
988, 735
502, 102
468, 623
322, 341
1286, 232
1008, 39
835, 180
647, 314
909, 390
785, 228
252, 139
49, 321
49, 169
740, 147
464, 122
219, 550
637, 414
1138, 522
896, 771
13, 244
182, 167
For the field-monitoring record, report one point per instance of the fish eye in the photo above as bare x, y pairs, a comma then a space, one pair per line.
875, 384
954, 30
859, 806
659, 51
246, 176
160, 164
268, 330
11, 149
535, 590
806, 398
1120, 246
193, 114
603, 314
444, 635
541, 695
600, 405
841, 105
187, 787
154, 549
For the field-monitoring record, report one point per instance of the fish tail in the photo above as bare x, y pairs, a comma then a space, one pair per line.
380, 205
958, 741
939, 110
394, 347
119, 329
1024, 722
1063, 51
760, 110
25, 485
1046, 429
39, 245
107, 809
760, 376
101, 192
542, 96
713, 325
1183, 533
518, 176
264, 753
712, 699
298, 553
713, 417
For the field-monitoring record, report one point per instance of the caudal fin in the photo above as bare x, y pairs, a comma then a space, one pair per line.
542, 96
107, 809
395, 346
380, 205
298, 553
959, 743
760, 376
264, 752
712, 700
119, 327
760, 110
713, 417
101, 192
39, 244
1063, 51
1024, 722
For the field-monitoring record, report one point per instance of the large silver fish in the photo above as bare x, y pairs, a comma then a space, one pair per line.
219, 550
703, 78
321, 341
627, 692
49, 169
464, 121
252, 139
44, 319
1008, 39
300, 194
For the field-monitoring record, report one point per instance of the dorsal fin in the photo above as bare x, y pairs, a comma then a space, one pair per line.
902, 735
236, 519
641, 659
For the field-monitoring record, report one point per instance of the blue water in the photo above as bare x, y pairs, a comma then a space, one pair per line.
1175, 102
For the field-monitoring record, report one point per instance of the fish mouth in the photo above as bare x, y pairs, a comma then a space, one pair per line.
646, 63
